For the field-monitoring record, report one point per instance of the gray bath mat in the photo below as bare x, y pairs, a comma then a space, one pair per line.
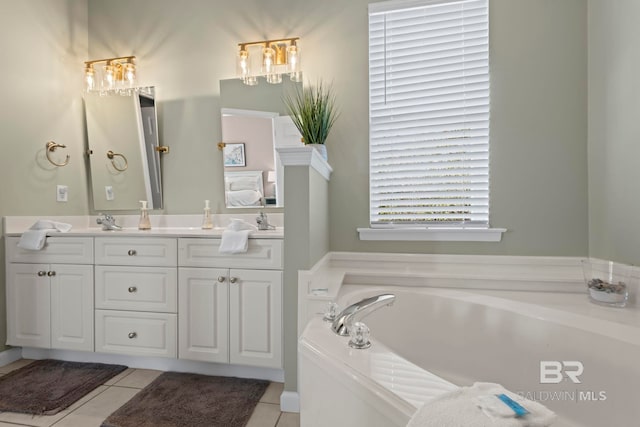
46, 387
190, 400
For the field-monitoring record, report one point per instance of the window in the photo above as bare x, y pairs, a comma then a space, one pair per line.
429, 114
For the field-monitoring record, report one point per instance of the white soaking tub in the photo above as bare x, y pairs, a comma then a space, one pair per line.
433, 340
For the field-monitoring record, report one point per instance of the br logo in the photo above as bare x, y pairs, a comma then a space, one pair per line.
553, 371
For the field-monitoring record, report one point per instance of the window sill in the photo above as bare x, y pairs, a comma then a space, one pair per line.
435, 234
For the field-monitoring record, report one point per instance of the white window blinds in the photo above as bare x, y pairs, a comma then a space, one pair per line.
429, 113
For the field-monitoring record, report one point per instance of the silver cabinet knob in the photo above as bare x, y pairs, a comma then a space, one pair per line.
132, 289
132, 252
42, 273
233, 279
221, 279
51, 273
132, 335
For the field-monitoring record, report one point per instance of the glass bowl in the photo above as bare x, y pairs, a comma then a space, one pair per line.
606, 282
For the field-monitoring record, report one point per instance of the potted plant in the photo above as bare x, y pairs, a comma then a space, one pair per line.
313, 111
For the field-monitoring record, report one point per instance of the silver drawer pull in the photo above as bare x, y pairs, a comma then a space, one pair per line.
132, 335
42, 273
51, 273
132, 252
132, 289
233, 279
221, 279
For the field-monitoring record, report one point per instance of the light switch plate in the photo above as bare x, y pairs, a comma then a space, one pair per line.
108, 190
62, 193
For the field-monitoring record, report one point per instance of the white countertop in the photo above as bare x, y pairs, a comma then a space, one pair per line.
161, 226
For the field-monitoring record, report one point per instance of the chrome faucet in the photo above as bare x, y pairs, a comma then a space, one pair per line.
108, 222
263, 222
356, 312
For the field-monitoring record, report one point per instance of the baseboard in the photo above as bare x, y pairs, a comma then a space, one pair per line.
10, 355
158, 363
290, 401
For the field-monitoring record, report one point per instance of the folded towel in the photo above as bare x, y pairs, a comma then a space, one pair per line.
464, 407
35, 238
234, 242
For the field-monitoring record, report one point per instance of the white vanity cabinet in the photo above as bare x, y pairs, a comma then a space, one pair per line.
136, 296
230, 306
50, 294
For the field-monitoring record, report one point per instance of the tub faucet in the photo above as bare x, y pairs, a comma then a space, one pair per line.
108, 222
358, 311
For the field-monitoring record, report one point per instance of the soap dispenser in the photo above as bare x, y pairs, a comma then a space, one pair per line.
145, 223
207, 223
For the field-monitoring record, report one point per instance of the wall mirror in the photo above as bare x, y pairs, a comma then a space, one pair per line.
124, 160
254, 123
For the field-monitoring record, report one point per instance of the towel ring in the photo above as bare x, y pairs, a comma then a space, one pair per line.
51, 147
111, 155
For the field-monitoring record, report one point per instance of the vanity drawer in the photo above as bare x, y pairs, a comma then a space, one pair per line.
138, 334
261, 253
136, 288
57, 250
144, 251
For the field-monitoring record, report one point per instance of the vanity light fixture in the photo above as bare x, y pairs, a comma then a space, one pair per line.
269, 58
117, 74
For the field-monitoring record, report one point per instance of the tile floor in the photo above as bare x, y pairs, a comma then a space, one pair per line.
95, 407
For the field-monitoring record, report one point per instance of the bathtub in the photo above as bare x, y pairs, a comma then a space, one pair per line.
433, 340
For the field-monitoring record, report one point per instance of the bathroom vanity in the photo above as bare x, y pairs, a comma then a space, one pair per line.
166, 293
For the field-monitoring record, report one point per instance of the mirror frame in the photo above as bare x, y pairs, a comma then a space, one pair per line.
122, 140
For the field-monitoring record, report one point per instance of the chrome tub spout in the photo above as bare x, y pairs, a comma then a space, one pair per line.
359, 310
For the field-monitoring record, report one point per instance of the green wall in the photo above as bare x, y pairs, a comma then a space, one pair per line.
43, 44
538, 117
614, 148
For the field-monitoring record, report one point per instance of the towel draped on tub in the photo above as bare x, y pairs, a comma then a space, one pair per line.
464, 407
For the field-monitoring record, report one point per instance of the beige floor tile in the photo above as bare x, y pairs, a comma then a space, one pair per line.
47, 420
15, 365
272, 394
120, 376
139, 378
265, 415
289, 419
95, 411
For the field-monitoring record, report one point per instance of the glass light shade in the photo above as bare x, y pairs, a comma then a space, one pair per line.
129, 75
274, 78
89, 78
293, 59
296, 77
109, 77
243, 68
250, 80
268, 57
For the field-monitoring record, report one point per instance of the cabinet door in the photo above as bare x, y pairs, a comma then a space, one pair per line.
71, 306
255, 317
203, 295
28, 309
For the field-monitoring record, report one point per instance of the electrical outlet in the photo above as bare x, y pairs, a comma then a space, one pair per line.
108, 190
62, 193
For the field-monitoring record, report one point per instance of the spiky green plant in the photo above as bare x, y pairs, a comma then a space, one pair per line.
313, 111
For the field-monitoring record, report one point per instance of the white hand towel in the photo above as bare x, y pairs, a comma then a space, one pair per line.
35, 238
234, 242
240, 224
460, 408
